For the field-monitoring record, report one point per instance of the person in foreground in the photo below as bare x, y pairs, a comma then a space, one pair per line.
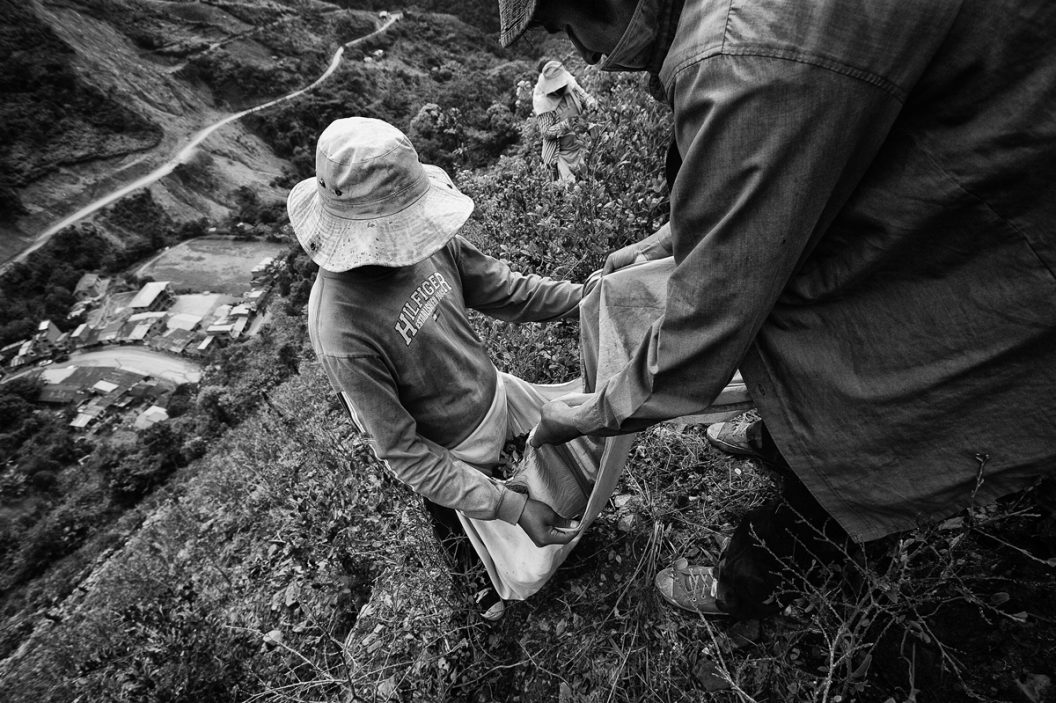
863, 222
387, 319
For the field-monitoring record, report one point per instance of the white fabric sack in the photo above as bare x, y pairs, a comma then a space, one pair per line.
575, 479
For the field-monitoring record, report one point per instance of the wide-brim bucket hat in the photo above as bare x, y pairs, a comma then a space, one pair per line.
514, 18
372, 202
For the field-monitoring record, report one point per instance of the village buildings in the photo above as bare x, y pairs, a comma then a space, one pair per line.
153, 316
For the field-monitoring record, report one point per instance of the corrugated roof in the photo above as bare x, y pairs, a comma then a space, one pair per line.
152, 415
148, 293
183, 321
104, 386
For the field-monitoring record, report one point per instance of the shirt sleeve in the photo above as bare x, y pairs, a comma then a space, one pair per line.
657, 245
549, 131
772, 149
492, 288
370, 395
551, 128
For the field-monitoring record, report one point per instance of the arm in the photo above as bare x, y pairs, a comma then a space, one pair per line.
369, 392
772, 149
491, 287
587, 100
552, 128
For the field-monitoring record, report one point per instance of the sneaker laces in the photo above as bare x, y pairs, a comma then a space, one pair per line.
697, 582
742, 431
739, 427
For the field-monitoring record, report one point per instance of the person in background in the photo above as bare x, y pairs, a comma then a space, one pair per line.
863, 199
558, 102
387, 319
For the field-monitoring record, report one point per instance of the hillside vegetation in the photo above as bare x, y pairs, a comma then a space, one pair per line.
254, 550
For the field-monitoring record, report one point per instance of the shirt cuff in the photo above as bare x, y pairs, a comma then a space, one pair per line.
589, 418
511, 505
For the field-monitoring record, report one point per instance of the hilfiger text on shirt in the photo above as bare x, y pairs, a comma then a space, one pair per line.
421, 305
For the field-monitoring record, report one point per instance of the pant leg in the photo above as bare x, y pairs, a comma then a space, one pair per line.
778, 547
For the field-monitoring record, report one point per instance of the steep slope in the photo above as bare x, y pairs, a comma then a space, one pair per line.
99, 92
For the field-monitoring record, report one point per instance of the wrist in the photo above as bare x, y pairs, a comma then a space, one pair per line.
511, 506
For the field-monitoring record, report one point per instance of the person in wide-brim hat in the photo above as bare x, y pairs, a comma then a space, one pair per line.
553, 77
387, 317
557, 102
372, 202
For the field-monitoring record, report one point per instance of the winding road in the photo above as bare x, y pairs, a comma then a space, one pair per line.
184, 154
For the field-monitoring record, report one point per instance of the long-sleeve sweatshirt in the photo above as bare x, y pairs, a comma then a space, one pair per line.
398, 347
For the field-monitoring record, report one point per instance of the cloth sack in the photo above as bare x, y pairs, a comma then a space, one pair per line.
577, 478
616, 315
563, 476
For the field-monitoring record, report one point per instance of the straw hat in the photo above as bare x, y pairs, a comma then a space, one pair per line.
372, 201
514, 18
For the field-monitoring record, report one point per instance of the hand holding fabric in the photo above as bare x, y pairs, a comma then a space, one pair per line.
621, 258
655, 246
544, 526
558, 422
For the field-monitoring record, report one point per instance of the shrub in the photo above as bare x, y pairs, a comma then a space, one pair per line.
566, 230
137, 473
60, 533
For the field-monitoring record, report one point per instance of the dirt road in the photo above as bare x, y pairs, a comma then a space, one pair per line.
185, 153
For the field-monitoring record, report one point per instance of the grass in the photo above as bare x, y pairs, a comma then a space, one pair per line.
286, 566
888, 627
884, 628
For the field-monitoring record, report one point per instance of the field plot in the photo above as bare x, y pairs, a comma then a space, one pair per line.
200, 305
211, 264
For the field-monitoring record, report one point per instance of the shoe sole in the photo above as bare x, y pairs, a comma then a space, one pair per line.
495, 612
733, 449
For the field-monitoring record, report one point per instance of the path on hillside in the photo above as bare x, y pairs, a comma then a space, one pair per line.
184, 154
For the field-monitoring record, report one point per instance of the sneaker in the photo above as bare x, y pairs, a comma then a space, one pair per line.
495, 612
740, 436
689, 587
492, 607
